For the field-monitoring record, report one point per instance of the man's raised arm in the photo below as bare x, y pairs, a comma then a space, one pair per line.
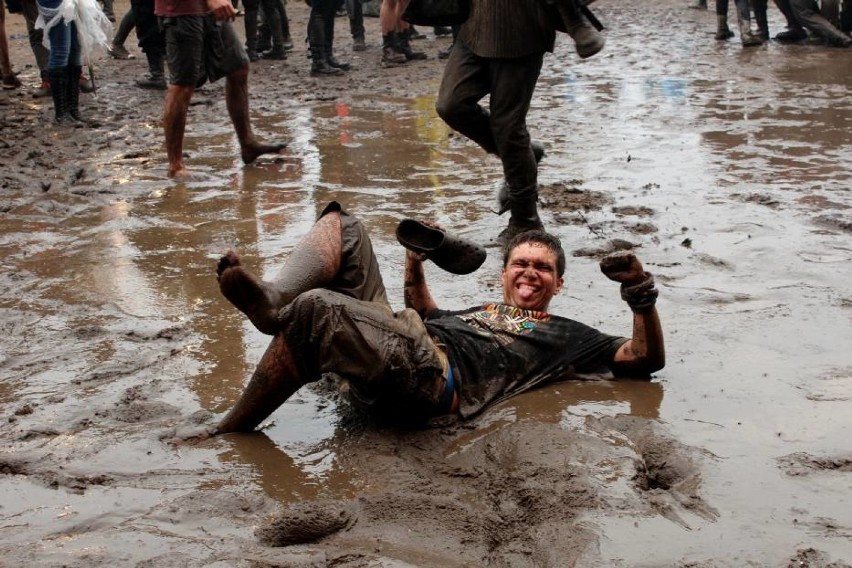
417, 295
644, 352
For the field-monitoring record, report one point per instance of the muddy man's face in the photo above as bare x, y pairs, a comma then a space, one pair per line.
530, 280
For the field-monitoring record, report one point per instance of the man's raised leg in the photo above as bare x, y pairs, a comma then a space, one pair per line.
314, 263
236, 99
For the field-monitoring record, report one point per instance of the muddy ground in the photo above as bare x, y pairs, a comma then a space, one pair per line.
726, 170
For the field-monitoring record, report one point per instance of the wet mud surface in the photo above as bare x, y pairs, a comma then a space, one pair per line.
727, 171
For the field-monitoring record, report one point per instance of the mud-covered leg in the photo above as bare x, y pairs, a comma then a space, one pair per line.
314, 263
275, 379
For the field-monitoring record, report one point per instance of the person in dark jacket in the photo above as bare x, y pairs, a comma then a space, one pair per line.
499, 52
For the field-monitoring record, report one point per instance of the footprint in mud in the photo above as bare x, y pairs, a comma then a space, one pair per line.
306, 522
803, 463
812, 558
667, 471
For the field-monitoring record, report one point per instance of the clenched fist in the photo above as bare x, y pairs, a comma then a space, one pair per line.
623, 267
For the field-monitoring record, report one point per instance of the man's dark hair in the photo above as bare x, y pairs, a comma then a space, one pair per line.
545, 239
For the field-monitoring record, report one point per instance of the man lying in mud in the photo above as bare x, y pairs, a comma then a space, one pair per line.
328, 312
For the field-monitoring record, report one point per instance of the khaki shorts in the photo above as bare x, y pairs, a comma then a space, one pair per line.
349, 330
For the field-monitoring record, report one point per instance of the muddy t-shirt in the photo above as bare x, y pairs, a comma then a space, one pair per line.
497, 351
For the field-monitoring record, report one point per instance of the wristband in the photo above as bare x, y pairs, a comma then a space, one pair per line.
642, 296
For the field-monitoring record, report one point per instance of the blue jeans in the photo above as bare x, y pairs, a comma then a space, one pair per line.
64, 44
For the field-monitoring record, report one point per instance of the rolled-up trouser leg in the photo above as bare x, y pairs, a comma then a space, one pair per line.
388, 357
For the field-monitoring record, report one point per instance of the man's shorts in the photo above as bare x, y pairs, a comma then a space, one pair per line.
350, 330
200, 49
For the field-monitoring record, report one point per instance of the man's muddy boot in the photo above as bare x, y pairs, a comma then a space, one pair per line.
723, 32
404, 46
587, 39
316, 41
747, 37
73, 86
760, 19
523, 205
250, 23
278, 51
391, 55
156, 78
59, 90
329, 51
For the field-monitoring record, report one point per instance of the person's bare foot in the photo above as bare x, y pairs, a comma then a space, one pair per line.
179, 172
252, 296
252, 151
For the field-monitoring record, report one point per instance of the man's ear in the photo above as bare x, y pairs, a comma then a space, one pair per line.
560, 282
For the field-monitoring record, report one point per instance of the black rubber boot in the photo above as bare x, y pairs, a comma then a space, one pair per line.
329, 49
156, 77
723, 32
391, 55
404, 46
747, 37
73, 86
316, 41
251, 33
523, 204
59, 90
278, 51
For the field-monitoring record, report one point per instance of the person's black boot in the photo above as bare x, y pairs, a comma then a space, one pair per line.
391, 55
316, 41
251, 33
522, 203
59, 90
328, 50
156, 77
278, 50
404, 45
73, 86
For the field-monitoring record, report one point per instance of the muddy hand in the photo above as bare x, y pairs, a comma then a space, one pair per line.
623, 267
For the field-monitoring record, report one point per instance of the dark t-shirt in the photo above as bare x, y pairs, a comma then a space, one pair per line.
497, 351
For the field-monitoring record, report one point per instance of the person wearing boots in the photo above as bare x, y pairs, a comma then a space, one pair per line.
152, 43
396, 35
321, 39
747, 37
272, 15
499, 52
64, 65
328, 312
201, 45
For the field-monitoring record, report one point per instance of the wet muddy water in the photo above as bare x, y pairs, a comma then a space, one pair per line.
728, 170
